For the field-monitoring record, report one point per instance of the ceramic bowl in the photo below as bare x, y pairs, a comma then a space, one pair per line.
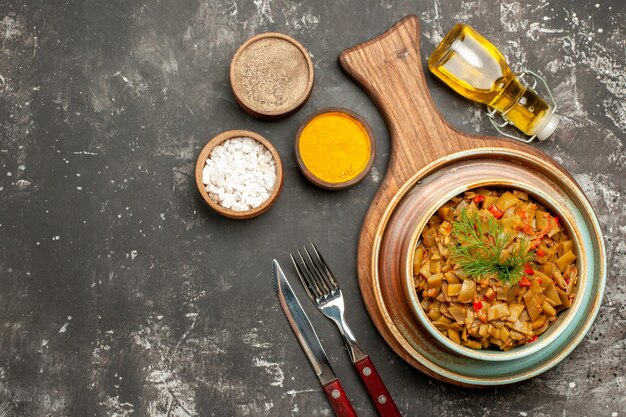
343, 184
206, 151
270, 69
554, 201
396, 308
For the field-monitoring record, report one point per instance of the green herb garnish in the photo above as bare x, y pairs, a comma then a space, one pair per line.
479, 249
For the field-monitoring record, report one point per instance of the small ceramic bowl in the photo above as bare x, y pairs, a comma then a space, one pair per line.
564, 318
271, 75
206, 151
344, 184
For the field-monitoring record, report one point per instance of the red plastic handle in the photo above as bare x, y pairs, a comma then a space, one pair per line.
339, 400
376, 388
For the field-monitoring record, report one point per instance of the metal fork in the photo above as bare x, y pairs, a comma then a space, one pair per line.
323, 290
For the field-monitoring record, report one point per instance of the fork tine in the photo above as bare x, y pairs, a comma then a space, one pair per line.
320, 273
310, 277
313, 267
305, 283
330, 275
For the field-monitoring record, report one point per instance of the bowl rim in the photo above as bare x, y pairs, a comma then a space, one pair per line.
271, 114
336, 185
564, 319
206, 152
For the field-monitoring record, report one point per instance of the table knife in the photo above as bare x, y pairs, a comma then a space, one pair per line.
311, 344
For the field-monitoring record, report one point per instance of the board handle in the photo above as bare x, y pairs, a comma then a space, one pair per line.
389, 68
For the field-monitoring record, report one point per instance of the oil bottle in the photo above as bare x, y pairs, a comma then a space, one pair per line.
474, 68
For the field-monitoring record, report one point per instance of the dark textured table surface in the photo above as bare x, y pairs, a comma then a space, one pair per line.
122, 294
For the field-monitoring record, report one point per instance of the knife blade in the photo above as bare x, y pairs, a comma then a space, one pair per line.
310, 343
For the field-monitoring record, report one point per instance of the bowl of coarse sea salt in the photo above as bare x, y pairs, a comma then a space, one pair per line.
239, 174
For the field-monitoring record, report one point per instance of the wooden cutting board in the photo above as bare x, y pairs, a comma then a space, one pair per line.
389, 69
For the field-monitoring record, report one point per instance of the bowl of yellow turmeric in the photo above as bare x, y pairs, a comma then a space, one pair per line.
335, 148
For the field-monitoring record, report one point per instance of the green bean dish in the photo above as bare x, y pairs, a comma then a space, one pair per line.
493, 269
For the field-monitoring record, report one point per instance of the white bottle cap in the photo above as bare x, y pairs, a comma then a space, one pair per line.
549, 127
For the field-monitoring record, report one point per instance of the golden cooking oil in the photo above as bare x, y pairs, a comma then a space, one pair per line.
474, 68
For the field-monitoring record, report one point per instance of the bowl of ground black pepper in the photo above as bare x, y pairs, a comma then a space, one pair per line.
239, 174
271, 75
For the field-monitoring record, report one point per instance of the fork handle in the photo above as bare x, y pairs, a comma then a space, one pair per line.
376, 388
338, 399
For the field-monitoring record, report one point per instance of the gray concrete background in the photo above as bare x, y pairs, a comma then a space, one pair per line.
122, 294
